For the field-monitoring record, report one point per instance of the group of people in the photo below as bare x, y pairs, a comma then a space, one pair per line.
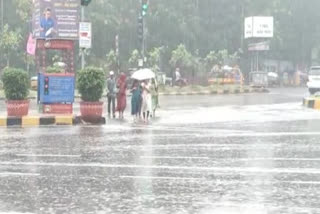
144, 100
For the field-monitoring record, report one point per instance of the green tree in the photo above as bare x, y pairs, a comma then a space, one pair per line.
181, 57
9, 42
111, 64
155, 58
134, 58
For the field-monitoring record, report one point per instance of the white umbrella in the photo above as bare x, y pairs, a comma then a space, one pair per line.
227, 68
143, 74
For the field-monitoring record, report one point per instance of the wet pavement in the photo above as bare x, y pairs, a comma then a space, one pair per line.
237, 154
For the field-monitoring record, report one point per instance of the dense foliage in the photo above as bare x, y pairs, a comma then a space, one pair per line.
203, 27
91, 83
15, 83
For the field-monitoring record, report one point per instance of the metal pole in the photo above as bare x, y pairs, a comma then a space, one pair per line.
2, 14
83, 60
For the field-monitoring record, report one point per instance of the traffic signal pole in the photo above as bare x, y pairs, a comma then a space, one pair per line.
142, 27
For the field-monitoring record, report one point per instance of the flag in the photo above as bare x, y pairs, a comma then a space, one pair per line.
31, 46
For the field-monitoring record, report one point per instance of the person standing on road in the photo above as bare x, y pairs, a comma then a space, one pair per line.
122, 95
146, 101
111, 86
155, 97
135, 100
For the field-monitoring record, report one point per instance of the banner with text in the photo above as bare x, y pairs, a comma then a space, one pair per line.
56, 19
259, 27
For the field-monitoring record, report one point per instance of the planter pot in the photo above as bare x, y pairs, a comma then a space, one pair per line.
18, 108
91, 110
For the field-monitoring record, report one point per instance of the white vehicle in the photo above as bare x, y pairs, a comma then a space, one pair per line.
314, 79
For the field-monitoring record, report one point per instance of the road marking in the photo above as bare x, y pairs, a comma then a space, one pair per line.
47, 155
161, 178
251, 206
191, 168
273, 159
172, 157
7, 174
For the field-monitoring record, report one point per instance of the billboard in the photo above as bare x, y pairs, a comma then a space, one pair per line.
56, 19
259, 27
85, 35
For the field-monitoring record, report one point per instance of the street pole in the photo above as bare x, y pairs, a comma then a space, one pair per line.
2, 14
83, 62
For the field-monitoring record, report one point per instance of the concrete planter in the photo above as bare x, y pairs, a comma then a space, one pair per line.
91, 110
18, 108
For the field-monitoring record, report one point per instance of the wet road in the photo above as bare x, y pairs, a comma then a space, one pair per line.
238, 154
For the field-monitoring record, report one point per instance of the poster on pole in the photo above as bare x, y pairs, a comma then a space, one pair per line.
259, 27
56, 19
85, 35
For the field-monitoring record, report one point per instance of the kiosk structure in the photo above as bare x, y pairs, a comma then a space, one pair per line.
56, 90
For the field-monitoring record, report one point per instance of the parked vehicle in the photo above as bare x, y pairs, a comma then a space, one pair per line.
34, 83
259, 79
314, 79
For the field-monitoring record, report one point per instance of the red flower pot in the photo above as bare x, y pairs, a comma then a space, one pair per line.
91, 110
18, 108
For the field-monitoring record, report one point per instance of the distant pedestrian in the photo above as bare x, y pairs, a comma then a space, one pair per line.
111, 86
146, 107
178, 76
122, 95
135, 100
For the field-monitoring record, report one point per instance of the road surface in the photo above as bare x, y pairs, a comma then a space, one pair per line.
238, 154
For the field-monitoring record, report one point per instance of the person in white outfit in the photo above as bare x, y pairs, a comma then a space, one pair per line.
146, 107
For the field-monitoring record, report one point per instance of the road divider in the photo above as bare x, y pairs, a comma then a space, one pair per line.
312, 102
215, 92
61, 120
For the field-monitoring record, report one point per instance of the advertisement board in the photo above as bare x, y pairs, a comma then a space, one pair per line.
56, 19
85, 35
259, 27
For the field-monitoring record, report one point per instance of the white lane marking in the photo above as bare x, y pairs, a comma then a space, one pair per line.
172, 157
7, 174
272, 159
249, 206
192, 168
47, 155
161, 178
302, 182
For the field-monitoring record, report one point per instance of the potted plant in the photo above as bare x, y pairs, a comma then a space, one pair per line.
16, 87
91, 83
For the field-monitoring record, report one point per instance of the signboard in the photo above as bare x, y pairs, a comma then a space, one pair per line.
85, 35
262, 46
56, 19
248, 27
259, 27
56, 88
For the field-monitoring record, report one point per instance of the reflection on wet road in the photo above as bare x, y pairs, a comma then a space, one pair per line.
252, 154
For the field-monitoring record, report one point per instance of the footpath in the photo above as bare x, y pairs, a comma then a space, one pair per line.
35, 118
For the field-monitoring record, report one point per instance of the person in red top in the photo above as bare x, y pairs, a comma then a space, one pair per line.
122, 96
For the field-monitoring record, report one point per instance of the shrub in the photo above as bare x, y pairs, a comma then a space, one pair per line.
54, 69
15, 83
91, 83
